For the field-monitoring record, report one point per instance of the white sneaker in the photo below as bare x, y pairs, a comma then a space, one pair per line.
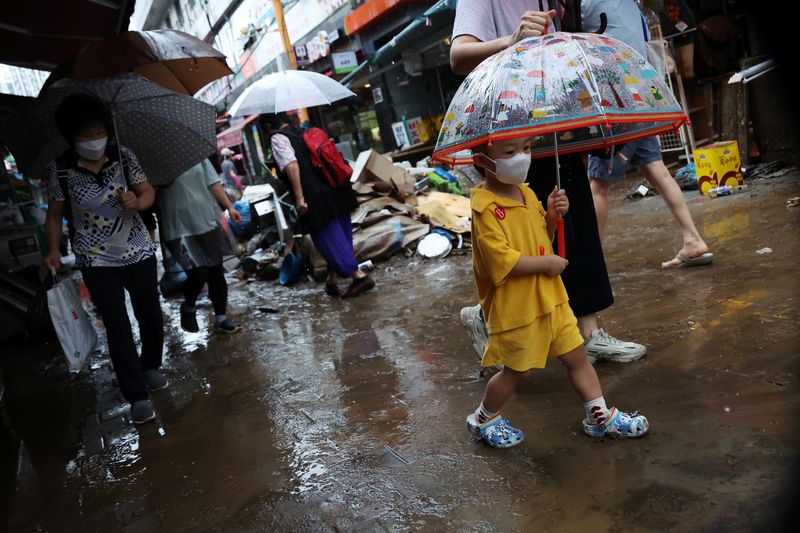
603, 347
472, 320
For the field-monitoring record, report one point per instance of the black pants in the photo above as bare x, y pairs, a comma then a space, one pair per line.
107, 287
586, 277
217, 287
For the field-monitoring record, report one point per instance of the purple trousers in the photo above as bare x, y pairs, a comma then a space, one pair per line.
335, 243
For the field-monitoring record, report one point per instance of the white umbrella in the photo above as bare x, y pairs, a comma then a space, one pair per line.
286, 90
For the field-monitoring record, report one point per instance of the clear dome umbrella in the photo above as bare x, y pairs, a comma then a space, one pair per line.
568, 92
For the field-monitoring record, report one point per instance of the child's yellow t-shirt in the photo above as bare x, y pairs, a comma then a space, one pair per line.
503, 230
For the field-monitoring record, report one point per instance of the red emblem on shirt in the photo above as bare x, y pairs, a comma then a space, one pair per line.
500, 213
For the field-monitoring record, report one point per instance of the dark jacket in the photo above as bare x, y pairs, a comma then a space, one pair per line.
324, 202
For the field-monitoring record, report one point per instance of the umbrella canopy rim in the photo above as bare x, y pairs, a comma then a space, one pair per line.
665, 122
241, 108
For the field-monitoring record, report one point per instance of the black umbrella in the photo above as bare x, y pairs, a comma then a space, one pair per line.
168, 132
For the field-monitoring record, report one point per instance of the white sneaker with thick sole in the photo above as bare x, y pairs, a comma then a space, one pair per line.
603, 347
472, 320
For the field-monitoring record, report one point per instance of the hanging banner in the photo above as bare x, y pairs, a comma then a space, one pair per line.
377, 95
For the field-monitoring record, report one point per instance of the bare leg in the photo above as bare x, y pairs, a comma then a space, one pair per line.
358, 274
581, 374
658, 175
600, 190
501, 387
333, 277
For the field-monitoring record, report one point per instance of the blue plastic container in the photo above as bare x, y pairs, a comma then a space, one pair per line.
291, 268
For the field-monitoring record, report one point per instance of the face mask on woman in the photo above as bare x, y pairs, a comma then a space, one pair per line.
514, 170
91, 150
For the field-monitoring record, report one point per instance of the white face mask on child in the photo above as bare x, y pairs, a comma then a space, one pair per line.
514, 170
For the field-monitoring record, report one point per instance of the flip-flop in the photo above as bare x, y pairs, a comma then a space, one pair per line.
686, 261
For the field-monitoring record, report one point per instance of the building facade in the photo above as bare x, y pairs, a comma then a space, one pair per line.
21, 81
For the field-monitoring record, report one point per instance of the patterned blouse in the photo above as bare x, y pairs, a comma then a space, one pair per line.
105, 233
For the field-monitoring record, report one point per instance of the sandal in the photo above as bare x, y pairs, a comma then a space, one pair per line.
331, 289
359, 286
619, 425
684, 261
497, 432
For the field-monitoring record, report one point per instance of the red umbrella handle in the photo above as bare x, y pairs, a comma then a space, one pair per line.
541, 8
562, 247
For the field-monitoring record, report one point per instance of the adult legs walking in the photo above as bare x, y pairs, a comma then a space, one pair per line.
107, 287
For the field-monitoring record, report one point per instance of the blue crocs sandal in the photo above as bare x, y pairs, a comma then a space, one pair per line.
619, 425
497, 432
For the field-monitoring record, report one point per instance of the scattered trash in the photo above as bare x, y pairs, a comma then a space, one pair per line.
434, 246
251, 263
375, 173
775, 169
443, 181
725, 190
366, 266
793, 202
764, 251
231, 263
387, 237
641, 191
687, 178
395, 454
269, 310
291, 269
247, 227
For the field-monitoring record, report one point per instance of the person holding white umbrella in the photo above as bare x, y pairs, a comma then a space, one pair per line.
324, 208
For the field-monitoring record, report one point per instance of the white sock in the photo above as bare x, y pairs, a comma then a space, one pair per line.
221, 318
596, 410
482, 414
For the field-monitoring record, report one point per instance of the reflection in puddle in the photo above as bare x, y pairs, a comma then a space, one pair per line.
734, 226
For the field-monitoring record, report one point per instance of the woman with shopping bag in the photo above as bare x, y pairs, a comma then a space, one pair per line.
100, 190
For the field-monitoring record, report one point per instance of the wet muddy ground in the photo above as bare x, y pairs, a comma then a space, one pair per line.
349, 415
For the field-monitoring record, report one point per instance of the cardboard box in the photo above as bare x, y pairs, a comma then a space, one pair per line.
373, 172
718, 164
375, 165
403, 181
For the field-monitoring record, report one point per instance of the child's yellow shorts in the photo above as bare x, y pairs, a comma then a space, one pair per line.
529, 346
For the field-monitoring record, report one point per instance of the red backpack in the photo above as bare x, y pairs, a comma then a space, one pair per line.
327, 158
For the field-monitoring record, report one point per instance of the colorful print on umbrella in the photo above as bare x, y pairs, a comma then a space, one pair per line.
593, 90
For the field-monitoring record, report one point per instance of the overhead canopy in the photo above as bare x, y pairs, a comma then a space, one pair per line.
42, 34
415, 29
233, 135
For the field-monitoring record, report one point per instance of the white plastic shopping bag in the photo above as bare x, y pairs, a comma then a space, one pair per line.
71, 322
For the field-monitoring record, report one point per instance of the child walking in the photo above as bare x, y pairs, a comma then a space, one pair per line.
523, 299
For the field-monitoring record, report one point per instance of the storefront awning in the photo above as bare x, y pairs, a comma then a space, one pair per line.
370, 12
233, 135
400, 39
42, 35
